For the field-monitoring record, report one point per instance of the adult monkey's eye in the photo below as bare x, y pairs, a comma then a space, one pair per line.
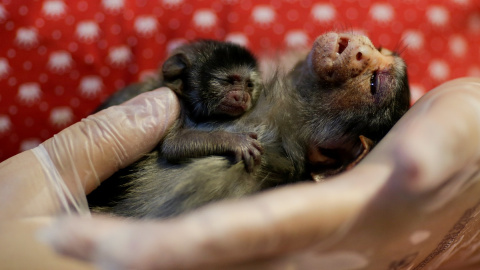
373, 83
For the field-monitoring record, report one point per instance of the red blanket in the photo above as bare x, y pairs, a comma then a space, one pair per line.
59, 59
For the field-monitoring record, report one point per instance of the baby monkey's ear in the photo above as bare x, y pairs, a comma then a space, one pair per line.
173, 70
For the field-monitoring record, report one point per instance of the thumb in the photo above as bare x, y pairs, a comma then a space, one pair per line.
94, 148
58, 173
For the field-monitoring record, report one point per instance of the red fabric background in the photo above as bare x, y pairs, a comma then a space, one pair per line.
59, 59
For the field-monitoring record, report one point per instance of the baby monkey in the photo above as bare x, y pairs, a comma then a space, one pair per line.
216, 82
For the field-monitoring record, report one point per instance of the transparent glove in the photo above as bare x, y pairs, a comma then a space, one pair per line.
54, 177
411, 204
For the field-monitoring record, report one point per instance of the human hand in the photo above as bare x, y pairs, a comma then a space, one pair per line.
410, 203
54, 177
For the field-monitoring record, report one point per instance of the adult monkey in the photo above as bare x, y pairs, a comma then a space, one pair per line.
319, 119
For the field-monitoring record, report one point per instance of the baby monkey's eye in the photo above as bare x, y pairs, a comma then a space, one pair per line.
223, 80
250, 84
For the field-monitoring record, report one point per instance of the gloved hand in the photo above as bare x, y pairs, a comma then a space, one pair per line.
54, 177
411, 203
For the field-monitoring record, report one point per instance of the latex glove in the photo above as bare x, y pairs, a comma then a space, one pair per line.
54, 177
411, 203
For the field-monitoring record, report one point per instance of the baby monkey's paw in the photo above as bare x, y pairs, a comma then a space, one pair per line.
248, 149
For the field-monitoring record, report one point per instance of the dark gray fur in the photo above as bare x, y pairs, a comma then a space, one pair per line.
154, 187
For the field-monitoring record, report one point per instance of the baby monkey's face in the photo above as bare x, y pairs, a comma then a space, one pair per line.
233, 90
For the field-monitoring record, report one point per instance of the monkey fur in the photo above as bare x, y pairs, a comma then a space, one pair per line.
215, 82
316, 120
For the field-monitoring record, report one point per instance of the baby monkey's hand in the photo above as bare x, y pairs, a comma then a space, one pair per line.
247, 148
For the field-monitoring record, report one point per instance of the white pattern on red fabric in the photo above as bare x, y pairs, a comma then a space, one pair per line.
29, 93
296, 39
462, 2
119, 56
438, 15
382, 12
87, 31
172, 3
417, 91
439, 70
237, 38
29, 144
113, 6
4, 68
413, 39
3, 13
121, 41
5, 123
263, 15
204, 19
60, 62
146, 25
175, 43
27, 37
323, 12
61, 116
54, 9
458, 45
90, 86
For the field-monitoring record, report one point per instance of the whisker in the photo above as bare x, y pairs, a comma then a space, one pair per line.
401, 47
